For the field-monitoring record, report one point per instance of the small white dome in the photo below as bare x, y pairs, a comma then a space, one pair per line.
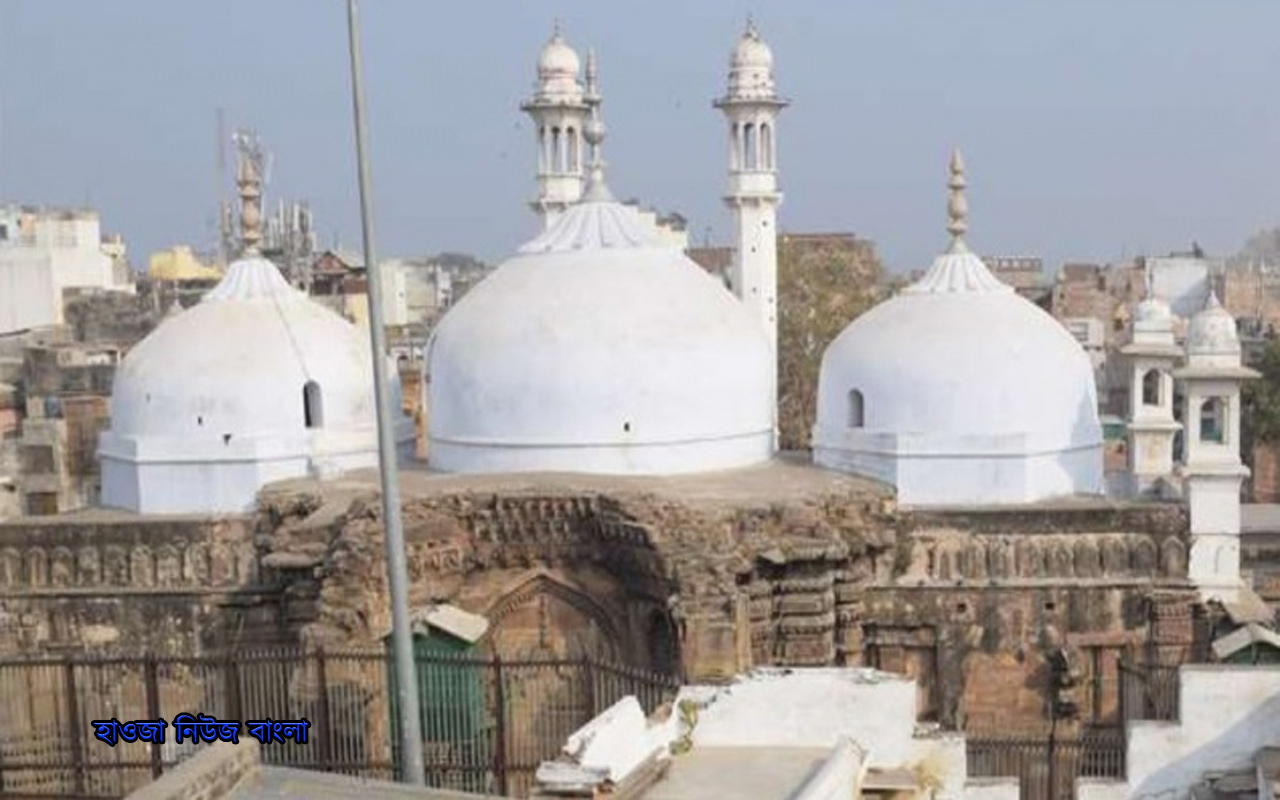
751, 51
255, 383
751, 67
598, 349
960, 392
1153, 311
1212, 331
558, 60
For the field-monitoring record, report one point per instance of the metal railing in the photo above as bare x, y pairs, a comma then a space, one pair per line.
1149, 692
487, 722
1047, 767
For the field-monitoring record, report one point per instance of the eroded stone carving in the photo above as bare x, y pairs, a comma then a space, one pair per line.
62, 568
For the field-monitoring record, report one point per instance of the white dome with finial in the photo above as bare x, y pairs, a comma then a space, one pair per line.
597, 348
960, 392
255, 383
1212, 332
1153, 319
558, 68
751, 66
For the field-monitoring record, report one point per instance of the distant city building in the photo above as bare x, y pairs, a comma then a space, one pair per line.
1024, 273
1183, 280
45, 251
180, 264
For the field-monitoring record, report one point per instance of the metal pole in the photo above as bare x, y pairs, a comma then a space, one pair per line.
407, 680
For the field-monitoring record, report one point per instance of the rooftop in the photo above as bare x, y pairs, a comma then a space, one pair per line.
787, 478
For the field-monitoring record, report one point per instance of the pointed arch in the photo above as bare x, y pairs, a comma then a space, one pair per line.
573, 161
750, 147
312, 405
856, 409
1151, 387
1213, 417
557, 150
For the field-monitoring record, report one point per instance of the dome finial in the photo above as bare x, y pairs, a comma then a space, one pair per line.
957, 206
593, 134
751, 32
1212, 302
593, 74
555, 29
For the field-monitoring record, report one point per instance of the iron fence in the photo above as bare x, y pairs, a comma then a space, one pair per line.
487, 722
1149, 692
1047, 766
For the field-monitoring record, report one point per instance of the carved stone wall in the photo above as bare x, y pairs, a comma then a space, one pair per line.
963, 601
85, 584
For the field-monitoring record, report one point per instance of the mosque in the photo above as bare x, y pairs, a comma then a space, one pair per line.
603, 474
598, 348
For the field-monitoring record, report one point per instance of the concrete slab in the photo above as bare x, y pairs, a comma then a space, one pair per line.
283, 783
738, 773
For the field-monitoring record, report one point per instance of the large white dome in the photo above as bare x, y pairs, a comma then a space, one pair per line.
255, 383
960, 392
598, 349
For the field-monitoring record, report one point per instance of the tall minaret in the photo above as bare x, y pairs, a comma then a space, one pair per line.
751, 107
559, 110
1212, 468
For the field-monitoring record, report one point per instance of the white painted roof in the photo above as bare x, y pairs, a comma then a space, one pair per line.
237, 361
210, 406
597, 349
959, 366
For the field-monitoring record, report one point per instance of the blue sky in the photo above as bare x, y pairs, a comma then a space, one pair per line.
1092, 129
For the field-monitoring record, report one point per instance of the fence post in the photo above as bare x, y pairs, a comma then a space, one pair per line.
326, 741
73, 715
500, 727
151, 686
231, 681
589, 675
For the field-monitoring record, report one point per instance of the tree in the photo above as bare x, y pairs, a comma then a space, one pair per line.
824, 282
1260, 410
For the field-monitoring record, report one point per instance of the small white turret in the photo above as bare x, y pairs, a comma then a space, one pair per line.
1212, 468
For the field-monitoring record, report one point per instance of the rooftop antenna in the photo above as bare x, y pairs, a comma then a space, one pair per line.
397, 570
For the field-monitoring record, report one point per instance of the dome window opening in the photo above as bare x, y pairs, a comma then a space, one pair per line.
1151, 388
312, 405
1212, 421
855, 409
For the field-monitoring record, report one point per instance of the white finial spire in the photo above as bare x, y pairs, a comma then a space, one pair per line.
957, 205
1212, 301
593, 134
593, 75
